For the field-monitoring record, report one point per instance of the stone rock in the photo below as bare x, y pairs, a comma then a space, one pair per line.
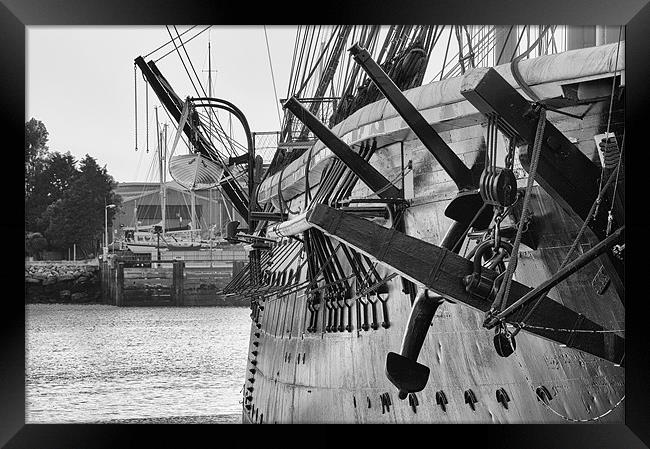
64, 294
50, 280
32, 281
66, 277
78, 297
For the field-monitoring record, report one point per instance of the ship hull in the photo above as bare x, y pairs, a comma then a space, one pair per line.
301, 375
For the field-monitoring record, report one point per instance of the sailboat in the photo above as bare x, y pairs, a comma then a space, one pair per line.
158, 237
447, 251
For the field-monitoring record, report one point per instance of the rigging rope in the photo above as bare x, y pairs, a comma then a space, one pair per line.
146, 99
187, 41
275, 90
522, 324
135, 109
195, 89
611, 104
611, 99
315, 65
166, 43
618, 169
504, 289
210, 111
514, 67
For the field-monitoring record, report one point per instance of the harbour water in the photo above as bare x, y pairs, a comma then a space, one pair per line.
96, 363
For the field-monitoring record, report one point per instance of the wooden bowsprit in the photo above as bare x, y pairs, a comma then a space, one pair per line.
442, 271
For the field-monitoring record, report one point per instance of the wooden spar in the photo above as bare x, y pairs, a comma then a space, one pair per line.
449, 161
563, 170
288, 228
442, 271
559, 161
366, 172
175, 107
444, 108
468, 201
568, 270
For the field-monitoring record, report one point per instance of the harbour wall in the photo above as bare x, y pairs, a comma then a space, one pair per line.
126, 284
167, 283
74, 282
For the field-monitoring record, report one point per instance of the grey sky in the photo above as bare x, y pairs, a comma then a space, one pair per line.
80, 84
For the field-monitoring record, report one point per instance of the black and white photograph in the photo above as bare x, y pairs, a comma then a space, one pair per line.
325, 224
229, 221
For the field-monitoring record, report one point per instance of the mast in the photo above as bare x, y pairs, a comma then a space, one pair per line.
164, 179
210, 123
193, 199
221, 205
160, 170
210, 79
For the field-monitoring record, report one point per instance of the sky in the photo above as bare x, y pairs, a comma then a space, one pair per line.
80, 84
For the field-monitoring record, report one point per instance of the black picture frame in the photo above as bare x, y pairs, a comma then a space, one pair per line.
15, 15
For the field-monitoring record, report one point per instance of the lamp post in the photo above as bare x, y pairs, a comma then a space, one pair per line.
108, 206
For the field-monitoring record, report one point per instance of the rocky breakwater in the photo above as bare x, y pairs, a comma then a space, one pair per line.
62, 283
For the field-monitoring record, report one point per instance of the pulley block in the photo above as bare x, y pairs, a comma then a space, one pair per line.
498, 186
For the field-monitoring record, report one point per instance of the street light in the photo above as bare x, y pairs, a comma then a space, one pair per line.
108, 206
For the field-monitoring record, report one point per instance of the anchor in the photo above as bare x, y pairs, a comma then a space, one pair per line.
402, 369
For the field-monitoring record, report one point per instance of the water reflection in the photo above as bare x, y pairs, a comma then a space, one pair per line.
89, 363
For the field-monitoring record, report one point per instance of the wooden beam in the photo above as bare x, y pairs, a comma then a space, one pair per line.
563, 170
442, 271
366, 172
449, 161
174, 105
559, 160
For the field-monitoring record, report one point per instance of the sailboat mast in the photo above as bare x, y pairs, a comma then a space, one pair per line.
210, 80
210, 115
160, 169
164, 179
193, 199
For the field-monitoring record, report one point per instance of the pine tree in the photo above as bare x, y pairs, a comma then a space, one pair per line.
78, 217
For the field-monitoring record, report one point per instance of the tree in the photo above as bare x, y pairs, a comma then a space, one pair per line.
35, 243
54, 175
78, 216
36, 137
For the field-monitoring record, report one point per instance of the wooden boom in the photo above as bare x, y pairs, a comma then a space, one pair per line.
442, 271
